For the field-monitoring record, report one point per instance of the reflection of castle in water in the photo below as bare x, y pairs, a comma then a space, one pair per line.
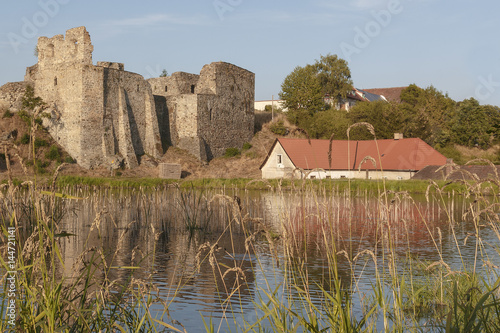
130, 227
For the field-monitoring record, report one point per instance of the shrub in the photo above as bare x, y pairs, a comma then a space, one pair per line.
279, 128
246, 146
40, 143
70, 160
25, 116
7, 114
25, 139
231, 152
40, 166
251, 154
451, 152
53, 153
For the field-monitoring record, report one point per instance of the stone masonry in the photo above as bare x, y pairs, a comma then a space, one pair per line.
102, 114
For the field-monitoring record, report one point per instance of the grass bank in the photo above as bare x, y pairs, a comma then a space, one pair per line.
355, 186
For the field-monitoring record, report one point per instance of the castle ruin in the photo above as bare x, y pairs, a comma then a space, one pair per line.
102, 114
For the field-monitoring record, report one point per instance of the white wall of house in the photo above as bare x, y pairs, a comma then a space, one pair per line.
261, 105
340, 174
278, 165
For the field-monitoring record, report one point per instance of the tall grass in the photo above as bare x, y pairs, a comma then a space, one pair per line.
340, 258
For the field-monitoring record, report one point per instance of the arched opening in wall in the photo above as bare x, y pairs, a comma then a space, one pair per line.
50, 50
210, 111
138, 88
55, 81
192, 88
166, 88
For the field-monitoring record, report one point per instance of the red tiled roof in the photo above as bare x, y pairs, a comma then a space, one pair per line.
391, 94
403, 154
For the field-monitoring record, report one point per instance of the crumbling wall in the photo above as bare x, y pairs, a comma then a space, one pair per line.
11, 96
97, 113
227, 119
210, 112
102, 114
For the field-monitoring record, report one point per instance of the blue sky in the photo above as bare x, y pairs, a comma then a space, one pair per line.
452, 45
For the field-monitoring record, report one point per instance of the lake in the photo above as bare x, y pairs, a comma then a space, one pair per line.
226, 255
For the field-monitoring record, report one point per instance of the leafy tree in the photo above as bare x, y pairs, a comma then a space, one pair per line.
164, 73
334, 76
301, 90
427, 114
29, 100
323, 124
387, 119
475, 125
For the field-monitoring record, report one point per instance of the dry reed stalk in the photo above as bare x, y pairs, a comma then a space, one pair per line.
439, 263
367, 252
9, 169
235, 206
265, 181
369, 126
96, 224
211, 254
367, 158
56, 174
330, 141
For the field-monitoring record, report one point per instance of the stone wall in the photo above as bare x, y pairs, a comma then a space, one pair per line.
98, 113
210, 112
11, 96
102, 114
227, 119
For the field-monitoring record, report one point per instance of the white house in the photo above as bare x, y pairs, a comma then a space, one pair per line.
261, 105
396, 158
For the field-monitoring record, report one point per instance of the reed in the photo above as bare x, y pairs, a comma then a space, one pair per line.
339, 260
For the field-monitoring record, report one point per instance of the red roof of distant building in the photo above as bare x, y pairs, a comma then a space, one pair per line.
402, 154
391, 94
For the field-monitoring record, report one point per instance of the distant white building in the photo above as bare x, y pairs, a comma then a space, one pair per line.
261, 105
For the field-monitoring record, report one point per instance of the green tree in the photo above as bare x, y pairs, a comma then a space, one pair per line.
323, 124
334, 76
386, 118
164, 73
475, 125
30, 101
427, 114
301, 90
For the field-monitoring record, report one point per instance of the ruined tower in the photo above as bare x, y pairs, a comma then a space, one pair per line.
99, 114
102, 114
210, 112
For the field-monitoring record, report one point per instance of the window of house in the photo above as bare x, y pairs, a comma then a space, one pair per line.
312, 177
279, 159
342, 176
328, 177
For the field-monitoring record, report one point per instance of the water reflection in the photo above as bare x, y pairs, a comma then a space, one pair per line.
196, 246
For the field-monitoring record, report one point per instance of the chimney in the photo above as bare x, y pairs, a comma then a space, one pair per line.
398, 136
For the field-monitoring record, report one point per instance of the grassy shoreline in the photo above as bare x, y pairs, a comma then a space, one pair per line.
338, 185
